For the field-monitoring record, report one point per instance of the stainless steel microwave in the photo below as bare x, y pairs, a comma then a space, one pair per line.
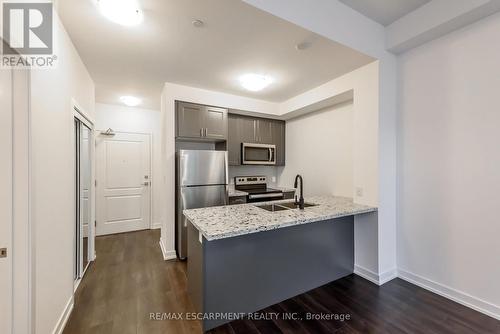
258, 154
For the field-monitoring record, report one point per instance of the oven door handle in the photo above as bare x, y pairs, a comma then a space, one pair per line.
273, 195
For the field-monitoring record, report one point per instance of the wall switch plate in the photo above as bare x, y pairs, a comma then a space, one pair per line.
359, 192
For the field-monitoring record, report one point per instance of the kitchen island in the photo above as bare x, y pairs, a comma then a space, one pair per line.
243, 258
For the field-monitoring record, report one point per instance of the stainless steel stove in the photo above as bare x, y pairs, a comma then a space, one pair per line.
256, 187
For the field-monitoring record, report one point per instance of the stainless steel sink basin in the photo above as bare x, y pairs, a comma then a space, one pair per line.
282, 206
272, 207
292, 205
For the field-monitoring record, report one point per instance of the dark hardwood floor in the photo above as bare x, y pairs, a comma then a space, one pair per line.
129, 280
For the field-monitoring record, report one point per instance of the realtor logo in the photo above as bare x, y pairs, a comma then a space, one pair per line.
27, 28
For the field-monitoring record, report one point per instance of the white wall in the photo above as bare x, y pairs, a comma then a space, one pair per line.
137, 120
449, 165
336, 21
53, 190
319, 147
368, 239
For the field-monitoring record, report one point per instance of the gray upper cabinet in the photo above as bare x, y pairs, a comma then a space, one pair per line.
202, 122
264, 131
245, 129
233, 141
278, 134
190, 120
215, 123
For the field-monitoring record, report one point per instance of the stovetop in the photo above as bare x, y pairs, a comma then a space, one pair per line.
253, 185
259, 190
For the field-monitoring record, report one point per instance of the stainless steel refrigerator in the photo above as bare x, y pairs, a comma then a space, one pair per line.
201, 181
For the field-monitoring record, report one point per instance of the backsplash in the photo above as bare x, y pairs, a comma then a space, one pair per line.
268, 171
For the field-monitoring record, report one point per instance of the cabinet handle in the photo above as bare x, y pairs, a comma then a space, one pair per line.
206, 131
201, 132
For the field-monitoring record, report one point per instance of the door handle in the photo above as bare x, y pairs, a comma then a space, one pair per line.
146, 183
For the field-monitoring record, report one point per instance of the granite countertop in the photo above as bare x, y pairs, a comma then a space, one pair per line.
235, 193
229, 221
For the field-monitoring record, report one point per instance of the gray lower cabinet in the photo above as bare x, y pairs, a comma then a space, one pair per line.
245, 129
197, 121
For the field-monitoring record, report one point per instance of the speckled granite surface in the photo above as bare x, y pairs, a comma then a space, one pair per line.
230, 221
235, 193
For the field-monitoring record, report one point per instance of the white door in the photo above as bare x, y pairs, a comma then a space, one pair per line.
6, 200
123, 183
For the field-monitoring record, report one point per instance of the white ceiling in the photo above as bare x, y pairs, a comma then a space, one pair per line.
384, 12
237, 38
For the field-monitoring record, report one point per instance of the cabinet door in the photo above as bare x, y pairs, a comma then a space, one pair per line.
247, 129
190, 120
265, 131
215, 123
233, 141
278, 129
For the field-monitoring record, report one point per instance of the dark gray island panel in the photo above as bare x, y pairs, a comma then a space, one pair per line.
247, 273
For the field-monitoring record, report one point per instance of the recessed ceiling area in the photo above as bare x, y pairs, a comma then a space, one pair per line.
234, 39
384, 12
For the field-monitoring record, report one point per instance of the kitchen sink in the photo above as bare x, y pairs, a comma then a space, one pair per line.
283, 206
292, 205
272, 207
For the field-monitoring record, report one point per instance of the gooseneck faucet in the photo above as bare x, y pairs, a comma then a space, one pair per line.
300, 202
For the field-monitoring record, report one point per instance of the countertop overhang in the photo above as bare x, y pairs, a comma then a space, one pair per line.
235, 220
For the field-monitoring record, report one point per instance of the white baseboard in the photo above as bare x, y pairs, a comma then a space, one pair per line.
167, 255
156, 225
453, 294
378, 279
63, 319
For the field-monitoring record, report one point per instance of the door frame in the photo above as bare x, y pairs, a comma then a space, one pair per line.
79, 113
152, 175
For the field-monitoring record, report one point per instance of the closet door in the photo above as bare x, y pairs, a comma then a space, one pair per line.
83, 200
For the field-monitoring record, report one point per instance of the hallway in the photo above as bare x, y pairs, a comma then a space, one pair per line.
128, 280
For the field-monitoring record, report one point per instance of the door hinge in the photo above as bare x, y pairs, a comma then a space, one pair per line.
3, 252
95, 223
95, 183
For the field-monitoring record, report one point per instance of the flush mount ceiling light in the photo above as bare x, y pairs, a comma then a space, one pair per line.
124, 12
198, 23
130, 101
255, 82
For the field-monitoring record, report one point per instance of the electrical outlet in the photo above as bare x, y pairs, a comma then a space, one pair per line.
359, 192
273, 179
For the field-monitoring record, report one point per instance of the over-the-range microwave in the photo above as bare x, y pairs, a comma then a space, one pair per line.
258, 154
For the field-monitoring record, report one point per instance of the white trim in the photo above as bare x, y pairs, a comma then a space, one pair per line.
451, 293
387, 276
156, 225
373, 277
24, 236
63, 319
167, 255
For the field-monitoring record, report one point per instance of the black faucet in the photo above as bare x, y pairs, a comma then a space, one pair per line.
300, 202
